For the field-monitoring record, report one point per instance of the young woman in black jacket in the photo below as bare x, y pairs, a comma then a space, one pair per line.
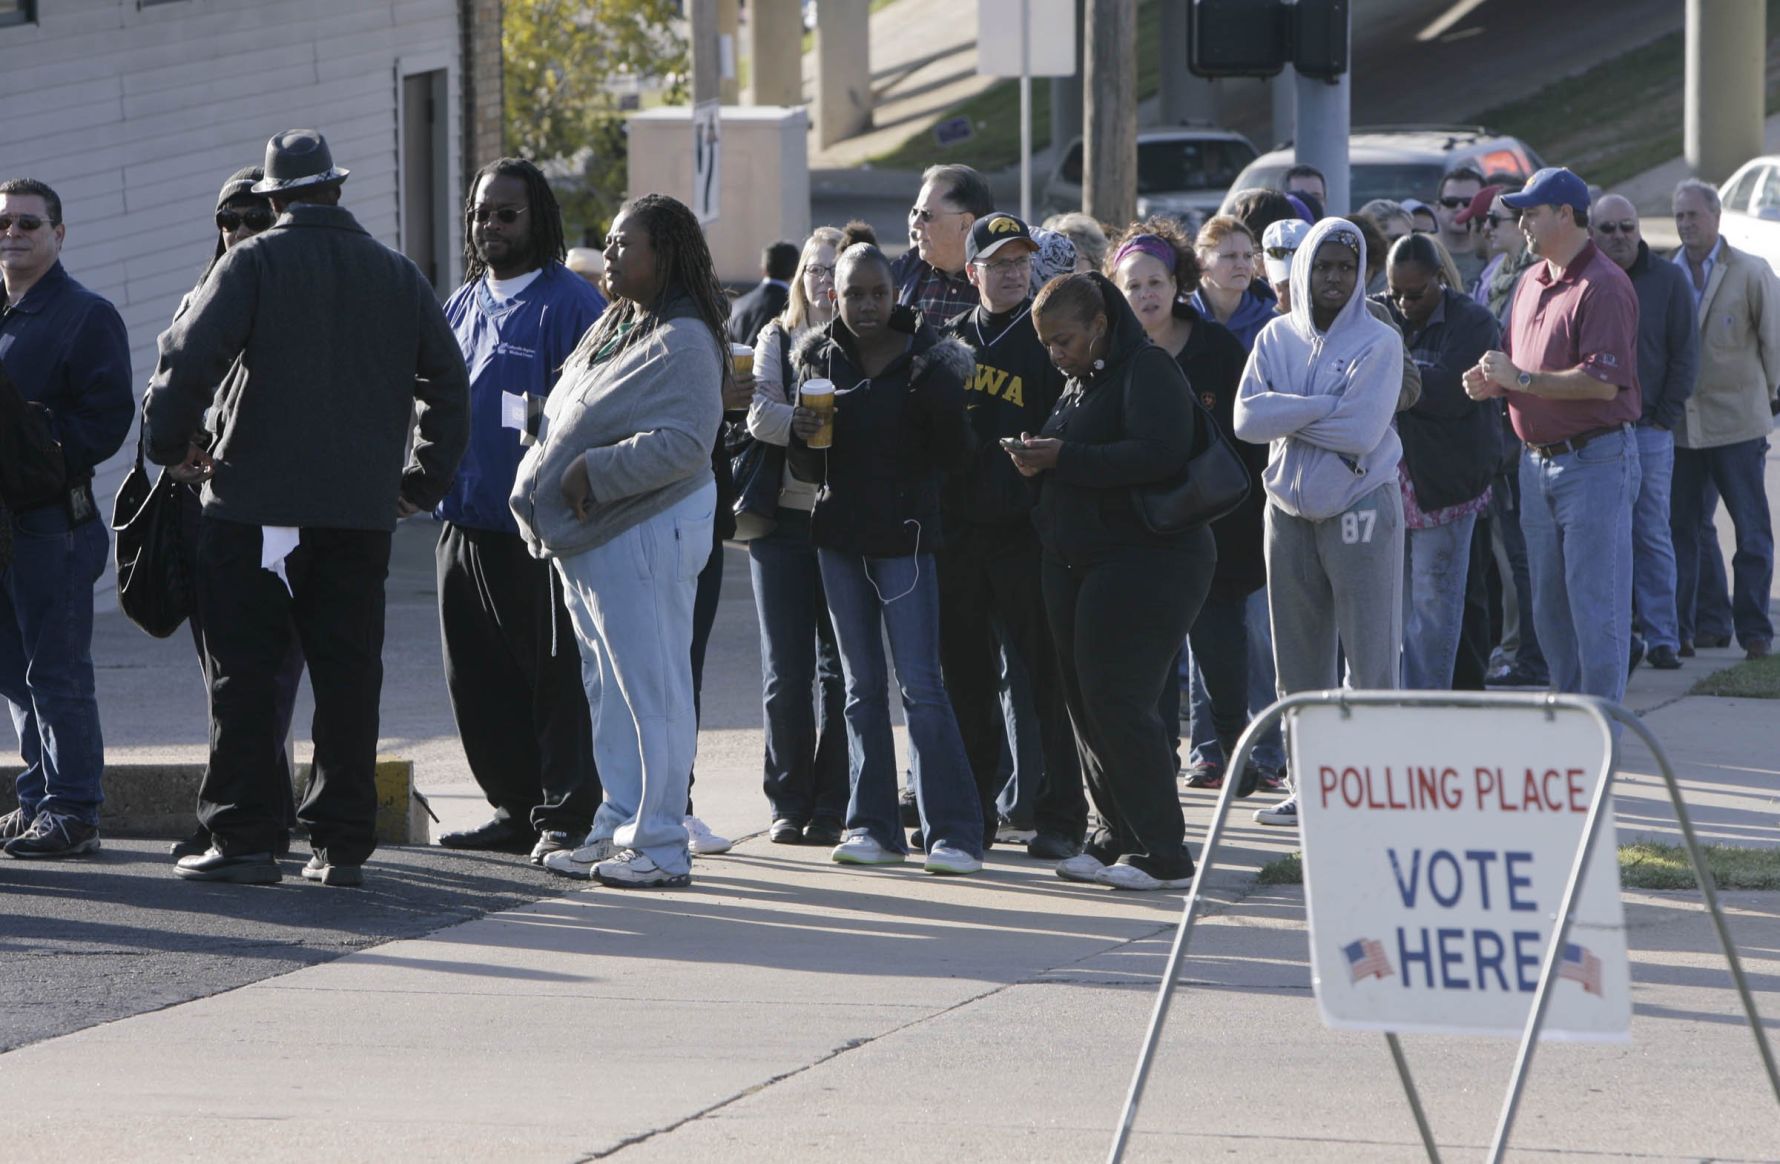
1120, 598
898, 424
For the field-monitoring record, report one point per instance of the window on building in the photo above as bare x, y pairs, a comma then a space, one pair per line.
17, 12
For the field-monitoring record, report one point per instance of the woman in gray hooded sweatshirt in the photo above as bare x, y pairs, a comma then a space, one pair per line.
1321, 386
618, 492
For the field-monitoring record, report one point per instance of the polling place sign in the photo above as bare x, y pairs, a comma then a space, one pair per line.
1437, 844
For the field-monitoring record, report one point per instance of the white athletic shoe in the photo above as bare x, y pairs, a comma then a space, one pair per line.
860, 849
702, 841
1285, 813
579, 863
1123, 876
944, 858
1084, 868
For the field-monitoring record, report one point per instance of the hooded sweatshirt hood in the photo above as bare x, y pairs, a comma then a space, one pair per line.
1324, 399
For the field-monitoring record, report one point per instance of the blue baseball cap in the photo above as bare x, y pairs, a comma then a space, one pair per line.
1552, 186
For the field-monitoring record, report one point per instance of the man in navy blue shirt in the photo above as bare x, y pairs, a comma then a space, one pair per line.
66, 349
511, 665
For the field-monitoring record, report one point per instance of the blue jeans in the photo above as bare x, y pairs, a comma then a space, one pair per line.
1270, 750
46, 661
631, 602
1653, 550
1737, 471
1576, 513
1435, 565
867, 598
802, 690
1710, 613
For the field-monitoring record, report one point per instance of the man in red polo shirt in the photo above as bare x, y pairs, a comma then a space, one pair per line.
1570, 375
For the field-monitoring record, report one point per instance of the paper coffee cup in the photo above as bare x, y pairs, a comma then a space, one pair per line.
818, 397
741, 356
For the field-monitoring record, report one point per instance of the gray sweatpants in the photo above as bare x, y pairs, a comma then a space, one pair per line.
1337, 582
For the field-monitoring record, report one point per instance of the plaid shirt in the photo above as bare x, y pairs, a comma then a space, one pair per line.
939, 297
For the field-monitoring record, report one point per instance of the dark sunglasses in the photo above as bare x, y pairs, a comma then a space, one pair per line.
1496, 220
1454, 203
505, 215
1627, 227
26, 222
256, 219
1281, 254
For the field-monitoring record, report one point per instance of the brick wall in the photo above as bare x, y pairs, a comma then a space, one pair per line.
483, 110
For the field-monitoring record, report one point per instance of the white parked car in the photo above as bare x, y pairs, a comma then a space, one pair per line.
1751, 199
1182, 172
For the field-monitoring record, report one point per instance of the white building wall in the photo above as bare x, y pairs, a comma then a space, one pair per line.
136, 115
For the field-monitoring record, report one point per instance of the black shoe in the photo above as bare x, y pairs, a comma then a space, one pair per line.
340, 876
785, 831
495, 836
824, 832
1663, 659
1686, 651
1635, 656
1712, 640
905, 804
242, 869
917, 842
1757, 649
1250, 782
552, 841
52, 835
1051, 847
14, 825
195, 845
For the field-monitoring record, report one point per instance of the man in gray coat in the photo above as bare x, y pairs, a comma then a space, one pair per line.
323, 340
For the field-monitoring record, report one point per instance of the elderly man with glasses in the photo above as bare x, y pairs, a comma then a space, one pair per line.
1668, 361
65, 349
930, 276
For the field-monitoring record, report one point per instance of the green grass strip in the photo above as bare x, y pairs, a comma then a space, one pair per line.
1751, 679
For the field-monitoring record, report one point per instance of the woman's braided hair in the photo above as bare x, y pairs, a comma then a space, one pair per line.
546, 223
683, 263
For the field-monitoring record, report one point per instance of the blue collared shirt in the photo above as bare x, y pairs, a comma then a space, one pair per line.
1712, 258
67, 349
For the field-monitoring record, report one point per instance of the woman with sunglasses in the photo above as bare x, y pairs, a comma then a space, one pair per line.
806, 739
239, 216
1451, 447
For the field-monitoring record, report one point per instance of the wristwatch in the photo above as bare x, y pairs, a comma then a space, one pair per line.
1525, 380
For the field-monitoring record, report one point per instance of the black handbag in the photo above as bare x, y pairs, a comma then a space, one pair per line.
1214, 482
154, 586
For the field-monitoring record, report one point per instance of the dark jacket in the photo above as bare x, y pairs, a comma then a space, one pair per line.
1451, 443
1212, 362
66, 349
1668, 337
879, 485
1113, 441
753, 310
1011, 391
338, 337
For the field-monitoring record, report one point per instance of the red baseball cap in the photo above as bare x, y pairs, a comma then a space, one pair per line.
1480, 204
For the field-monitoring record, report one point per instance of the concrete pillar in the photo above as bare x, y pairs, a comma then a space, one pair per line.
701, 18
1183, 98
729, 27
1283, 89
1323, 116
843, 70
1066, 96
1723, 105
775, 53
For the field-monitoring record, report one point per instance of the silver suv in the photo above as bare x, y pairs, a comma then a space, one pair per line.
1182, 172
1400, 162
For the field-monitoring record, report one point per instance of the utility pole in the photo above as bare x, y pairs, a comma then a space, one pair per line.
1066, 96
1109, 160
706, 64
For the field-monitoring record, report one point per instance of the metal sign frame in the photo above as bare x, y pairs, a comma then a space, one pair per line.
1605, 713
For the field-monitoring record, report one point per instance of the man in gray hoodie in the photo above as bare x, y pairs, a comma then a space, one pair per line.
323, 340
1321, 386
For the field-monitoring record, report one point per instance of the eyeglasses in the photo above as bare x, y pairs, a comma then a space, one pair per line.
922, 215
819, 271
26, 222
1627, 228
1007, 266
505, 215
1496, 220
257, 219
1454, 203
1281, 254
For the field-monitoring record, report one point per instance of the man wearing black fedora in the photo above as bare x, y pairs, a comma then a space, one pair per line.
328, 340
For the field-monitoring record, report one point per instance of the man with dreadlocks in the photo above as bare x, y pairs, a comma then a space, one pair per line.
511, 666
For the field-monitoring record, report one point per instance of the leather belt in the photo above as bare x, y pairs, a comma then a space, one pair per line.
1573, 444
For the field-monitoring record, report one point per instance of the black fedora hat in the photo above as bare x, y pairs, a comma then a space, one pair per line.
297, 159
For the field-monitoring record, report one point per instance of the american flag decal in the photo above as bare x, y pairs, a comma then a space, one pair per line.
1365, 959
1580, 966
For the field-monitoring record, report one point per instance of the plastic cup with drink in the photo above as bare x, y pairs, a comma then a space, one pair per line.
818, 397
741, 357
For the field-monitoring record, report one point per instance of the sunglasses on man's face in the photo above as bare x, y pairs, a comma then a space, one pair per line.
505, 215
26, 222
257, 219
1454, 203
1627, 228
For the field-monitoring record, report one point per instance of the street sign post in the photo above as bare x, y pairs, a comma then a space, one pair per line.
707, 161
1025, 56
1562, 950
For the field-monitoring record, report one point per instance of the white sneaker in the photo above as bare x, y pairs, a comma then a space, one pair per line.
702, 841
944, 858
1083, 867
633, 870
862, 850
1008, 833
1123, 876
579, 863
1284, 813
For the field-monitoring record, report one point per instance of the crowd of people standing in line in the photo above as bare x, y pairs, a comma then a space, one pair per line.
997, 404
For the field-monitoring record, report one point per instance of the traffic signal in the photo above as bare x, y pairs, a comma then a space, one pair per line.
1258, 38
